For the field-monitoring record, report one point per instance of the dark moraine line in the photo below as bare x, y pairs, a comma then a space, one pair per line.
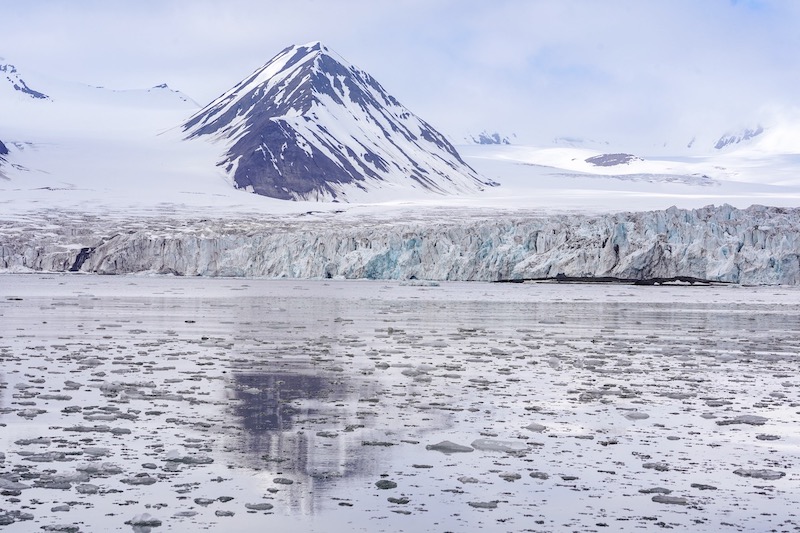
561, 278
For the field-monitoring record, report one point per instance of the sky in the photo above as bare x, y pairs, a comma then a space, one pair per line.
641, 72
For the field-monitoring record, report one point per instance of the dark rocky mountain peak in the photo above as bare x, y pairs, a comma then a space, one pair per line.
307, 125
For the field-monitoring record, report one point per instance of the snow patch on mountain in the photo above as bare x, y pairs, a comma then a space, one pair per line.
310, 126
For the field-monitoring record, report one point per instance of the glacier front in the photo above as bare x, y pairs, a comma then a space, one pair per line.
757, 245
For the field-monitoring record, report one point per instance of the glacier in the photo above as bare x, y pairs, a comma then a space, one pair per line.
757, 245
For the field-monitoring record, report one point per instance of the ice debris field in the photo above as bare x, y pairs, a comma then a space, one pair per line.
176, 404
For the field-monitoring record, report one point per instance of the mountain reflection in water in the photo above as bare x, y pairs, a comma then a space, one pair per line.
304, 424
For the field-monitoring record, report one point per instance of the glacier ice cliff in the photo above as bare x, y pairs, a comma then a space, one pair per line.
758, 245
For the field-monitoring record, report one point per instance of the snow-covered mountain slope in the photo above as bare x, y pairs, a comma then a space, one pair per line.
16, 87
118, 152
12, 84
486, 137
732, 139
3, 154
757, 245
754, 165
309, 126
86, 147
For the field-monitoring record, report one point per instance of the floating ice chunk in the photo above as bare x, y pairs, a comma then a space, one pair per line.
636, 415
448, 447
144, 520
759, 473
175, 456
258, 506
492, 445
87, 488
96, 451
7, 484
533, 426
752, 420
670, 500
484, 505
139, 479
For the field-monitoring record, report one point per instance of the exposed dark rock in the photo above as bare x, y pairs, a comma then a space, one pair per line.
611, 160
81, 258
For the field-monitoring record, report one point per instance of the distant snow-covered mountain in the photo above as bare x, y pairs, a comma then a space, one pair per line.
485, 137
3, 155
730, 139
11, 80
309, 126
17, 89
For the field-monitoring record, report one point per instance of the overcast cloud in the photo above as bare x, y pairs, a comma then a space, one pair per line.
649, 71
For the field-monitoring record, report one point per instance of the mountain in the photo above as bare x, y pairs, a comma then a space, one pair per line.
158, 97
17, 90
309, 126
16, 84
485, 137
730, 139
3, 153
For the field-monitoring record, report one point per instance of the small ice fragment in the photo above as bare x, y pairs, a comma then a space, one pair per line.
448, 447
492, 445
533, 426
144, 520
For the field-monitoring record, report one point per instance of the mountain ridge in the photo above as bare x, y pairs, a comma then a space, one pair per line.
309, 126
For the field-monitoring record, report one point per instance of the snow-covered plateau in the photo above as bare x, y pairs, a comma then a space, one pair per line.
758, 245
